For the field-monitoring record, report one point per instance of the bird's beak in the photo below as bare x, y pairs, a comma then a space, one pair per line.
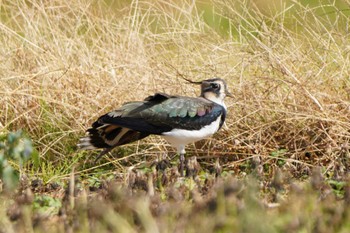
228, 94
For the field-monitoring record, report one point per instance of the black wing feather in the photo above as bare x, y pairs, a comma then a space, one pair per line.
155, 115
162, 113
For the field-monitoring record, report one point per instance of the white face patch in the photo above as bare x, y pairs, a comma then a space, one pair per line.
222, 89
215, 98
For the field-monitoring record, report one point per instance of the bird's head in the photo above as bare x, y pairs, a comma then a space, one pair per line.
214, 89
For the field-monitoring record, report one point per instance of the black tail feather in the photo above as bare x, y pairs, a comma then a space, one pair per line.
107, 137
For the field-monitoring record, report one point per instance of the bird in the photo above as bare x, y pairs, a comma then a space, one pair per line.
180, 120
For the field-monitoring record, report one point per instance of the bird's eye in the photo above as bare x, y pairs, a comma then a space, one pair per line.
215, 85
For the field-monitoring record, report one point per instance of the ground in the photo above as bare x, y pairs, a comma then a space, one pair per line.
279, 165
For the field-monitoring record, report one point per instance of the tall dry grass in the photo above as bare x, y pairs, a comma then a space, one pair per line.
63, 64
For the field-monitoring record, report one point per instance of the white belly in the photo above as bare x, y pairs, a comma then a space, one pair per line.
181, 137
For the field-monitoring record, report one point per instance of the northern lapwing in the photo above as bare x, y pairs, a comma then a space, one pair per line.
179, 119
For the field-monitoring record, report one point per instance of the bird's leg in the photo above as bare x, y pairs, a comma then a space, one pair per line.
182, 164
181, 151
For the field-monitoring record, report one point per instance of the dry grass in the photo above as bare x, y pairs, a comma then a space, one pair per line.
64, 64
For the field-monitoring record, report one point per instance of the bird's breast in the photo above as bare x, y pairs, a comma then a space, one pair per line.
183, 136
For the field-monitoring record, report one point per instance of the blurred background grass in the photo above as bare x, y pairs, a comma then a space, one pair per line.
65, 63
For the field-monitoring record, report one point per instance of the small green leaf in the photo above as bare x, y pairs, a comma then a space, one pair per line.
46, 204
10, 178
18, 148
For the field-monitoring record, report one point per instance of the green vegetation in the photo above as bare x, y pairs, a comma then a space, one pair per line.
281, 165
14, 147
